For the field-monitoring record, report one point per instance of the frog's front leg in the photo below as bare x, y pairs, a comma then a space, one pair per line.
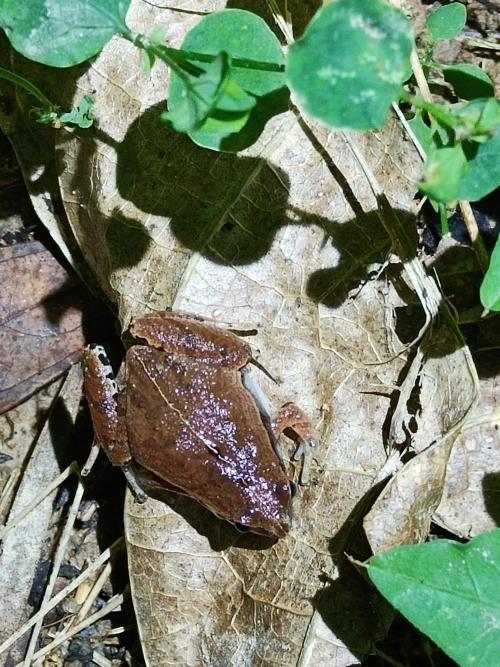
107, 410
288, 418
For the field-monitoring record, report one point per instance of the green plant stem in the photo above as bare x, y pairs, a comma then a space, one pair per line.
179, 58
438, 111
28, 86
443, 219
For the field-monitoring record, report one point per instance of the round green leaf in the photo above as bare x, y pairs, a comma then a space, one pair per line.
469, 81
242, 35
482, 175
350, 64
490, 287
479, 118
450, 592
213, 91
422, 131
447, 22
62, 33
444, 168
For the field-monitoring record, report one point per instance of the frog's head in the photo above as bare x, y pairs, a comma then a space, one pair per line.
268, 509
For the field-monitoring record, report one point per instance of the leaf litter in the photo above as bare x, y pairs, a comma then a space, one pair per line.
286, 239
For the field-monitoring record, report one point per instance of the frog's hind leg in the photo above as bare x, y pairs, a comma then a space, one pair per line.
292, 421
107, 410
289, 418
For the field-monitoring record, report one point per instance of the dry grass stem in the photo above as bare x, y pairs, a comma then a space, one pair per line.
115, 602
58, 558
53, 602
72, 468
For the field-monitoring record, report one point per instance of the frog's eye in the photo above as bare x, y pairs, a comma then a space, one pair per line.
241, 528
293, 489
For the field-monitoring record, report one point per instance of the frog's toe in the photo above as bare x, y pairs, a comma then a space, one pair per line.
305, 452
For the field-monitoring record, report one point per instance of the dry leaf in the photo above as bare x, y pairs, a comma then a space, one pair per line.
41, 321
470, 503
438, 392
287, 238
22, 546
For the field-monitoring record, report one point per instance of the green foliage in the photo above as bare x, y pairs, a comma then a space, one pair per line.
61, 33
450, 592
463, 140
81, 116
232, 114
490, 287
350, 63
229, 79
447, 22
444, 169
212, 91
48, 113
469, 81
421, 130
464, 162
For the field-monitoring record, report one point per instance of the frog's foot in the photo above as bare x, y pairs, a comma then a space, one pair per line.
139, 494
94, 453
293, 422
288, 418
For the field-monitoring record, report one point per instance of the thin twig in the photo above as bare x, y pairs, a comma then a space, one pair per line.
475, 237
94, 592
282, 19
465, 207
72, 468
58, 558
112, 604
103, 558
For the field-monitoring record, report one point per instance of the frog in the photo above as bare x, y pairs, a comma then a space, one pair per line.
184, 409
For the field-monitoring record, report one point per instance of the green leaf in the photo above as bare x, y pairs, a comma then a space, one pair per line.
422, 131
350, 63
465, 164
490, 287
443, 171
479, 119
450, 592
447, 22
469, 81
81, 116
482, 175
213, 91
62, 33
232, 124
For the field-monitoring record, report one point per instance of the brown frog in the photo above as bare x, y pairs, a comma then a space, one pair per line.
186, 410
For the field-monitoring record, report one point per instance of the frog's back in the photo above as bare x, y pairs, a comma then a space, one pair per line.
196, 426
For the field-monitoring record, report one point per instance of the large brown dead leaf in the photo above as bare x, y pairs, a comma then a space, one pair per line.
471, 498
287, 238
43, 311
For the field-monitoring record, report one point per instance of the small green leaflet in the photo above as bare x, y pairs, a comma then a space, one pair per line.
214, 90
449, 591
490, 287
466, 166
479, 119
81, 116
469, 81
444, 167
421, 130
447, 22
350, 63
62, 33
253, 93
